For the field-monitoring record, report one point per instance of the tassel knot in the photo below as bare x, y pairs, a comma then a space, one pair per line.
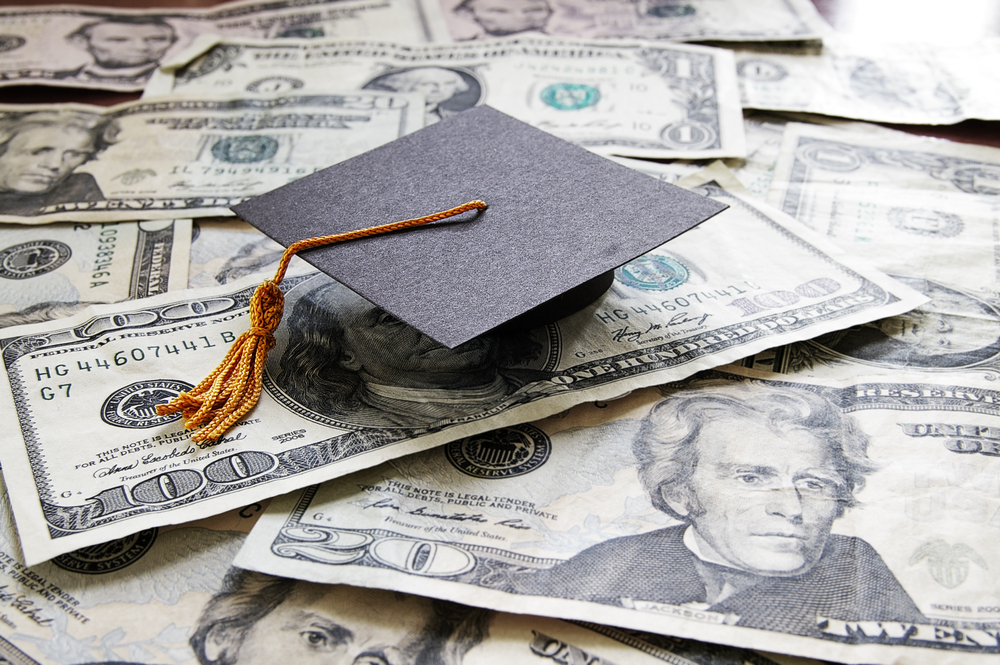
229, 392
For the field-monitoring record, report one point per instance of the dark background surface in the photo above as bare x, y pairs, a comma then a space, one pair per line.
957, 22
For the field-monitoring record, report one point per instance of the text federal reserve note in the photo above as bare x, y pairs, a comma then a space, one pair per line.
347, 387
187, 157
53, 271
169, 595
697, 20
637, 99
928, 200
851, 520
119, 49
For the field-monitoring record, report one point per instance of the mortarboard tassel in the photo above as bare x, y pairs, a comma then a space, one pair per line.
233, 388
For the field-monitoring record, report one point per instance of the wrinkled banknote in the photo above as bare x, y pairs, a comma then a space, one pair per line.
764, 134
851, 520
884, 82
342, 395
695, 20
224, 249
187, 157
119, 49
636, 99
169, 594
925, 211
56, 270
763, 137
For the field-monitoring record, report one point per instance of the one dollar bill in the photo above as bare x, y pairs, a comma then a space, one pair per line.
191, 157
94, 462
852, 520
638, 99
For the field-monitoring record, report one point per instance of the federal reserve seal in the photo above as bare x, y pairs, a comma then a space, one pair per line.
502, 453
108, 557
245, 149
652, 272
570, 96
34, 258
134, 406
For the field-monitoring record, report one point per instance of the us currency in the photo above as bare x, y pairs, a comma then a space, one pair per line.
636, 99
882, 82
340, 396
763, 139
183, 157
699, 20
764, 134
851, 520
118, 49
168, 594
930, 201
224, 250
53, 271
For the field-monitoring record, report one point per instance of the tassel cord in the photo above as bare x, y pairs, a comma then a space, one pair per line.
234, 387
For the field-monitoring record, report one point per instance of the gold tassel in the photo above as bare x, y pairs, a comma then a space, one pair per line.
233, 388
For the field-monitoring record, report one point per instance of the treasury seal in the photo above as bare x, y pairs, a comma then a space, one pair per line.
134, 406
108, 557
34, 258
245, 149
502, 453
653, 273
570, 96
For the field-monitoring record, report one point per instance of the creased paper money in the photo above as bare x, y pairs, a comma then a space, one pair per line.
637, 99
851, 520
119, 49
170, 595
923, 84
925, 211
53, 271
224, 250
695, 20
188, 157
94, 462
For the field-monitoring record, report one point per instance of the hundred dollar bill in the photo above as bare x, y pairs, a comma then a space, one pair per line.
696, 20
891, 82
636, 99
347, 387
56, 270
189, 157
170, 595
934, 203
119, 49
852, 520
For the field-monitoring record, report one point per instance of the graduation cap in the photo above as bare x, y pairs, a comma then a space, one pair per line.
556, 222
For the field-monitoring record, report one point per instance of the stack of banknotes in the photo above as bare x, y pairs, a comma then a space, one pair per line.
774, 440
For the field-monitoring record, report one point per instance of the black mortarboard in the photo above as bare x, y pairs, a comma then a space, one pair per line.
559, 218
